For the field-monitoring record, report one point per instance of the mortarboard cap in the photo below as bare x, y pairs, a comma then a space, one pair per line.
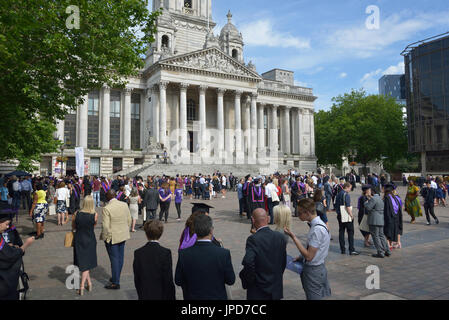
366, 187
197, 206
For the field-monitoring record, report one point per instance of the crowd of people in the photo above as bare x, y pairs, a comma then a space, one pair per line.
265, 200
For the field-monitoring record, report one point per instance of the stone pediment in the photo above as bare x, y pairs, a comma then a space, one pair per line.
211, 60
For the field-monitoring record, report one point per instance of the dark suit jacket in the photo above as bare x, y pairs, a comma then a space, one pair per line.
264, 264
151, 200
153, 273
203, 270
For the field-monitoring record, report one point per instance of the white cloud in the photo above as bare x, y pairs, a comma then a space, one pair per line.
370, 80
395, 28
343, 75
262, 33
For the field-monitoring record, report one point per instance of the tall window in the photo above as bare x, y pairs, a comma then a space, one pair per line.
70, 130
93, 120
115, 106
235, 54
191, 110
135, 121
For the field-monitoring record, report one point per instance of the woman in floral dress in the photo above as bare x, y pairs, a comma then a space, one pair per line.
412, 205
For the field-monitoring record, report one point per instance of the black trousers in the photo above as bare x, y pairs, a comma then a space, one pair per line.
429, 210
26, 200
178, 209
151, 214
241, 205
349, 228
165, 207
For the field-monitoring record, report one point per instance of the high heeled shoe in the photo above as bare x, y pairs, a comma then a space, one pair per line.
89, 287
81, 291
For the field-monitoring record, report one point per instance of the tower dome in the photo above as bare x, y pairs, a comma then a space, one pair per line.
231, 40
230, 32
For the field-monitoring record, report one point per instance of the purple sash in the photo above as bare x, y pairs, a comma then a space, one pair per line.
104, 187
395, 204
187, 241
119, 195
257, 194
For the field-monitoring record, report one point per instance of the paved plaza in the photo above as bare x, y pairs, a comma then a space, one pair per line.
417, 271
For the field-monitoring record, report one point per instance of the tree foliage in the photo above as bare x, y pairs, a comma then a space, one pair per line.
372, 125
46, 68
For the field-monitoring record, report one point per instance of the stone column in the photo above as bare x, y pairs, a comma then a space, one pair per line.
253, 140
203, 120
286, 135
163, 113
183, 118
261, 129
238, 127
274, 147
144, 118
83, 116
155, 113
105, 118
300, 129
127, 120
220, 122
312, 132
247, 133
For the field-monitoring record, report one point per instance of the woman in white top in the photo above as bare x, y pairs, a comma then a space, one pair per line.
223, 186
128, 188
62, 194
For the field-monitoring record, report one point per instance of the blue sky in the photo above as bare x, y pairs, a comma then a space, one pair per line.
326, 42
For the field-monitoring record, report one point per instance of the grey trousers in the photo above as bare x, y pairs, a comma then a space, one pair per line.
380, 242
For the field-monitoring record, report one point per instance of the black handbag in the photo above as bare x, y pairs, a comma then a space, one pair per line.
23, 283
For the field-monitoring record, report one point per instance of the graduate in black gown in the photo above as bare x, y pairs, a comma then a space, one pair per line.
10, 260
361, 208
246, 189
392, 214
256, 197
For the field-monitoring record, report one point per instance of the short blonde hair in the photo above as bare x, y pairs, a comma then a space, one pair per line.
88, 205
282, 217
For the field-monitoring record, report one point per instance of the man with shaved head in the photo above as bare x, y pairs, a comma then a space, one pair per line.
265, 260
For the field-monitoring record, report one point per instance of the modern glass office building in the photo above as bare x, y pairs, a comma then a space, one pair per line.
427, 94
393, 85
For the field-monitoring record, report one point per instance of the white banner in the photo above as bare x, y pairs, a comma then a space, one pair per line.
79, 157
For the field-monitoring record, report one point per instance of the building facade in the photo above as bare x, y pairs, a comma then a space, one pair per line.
427, 92
393, 85
197, 99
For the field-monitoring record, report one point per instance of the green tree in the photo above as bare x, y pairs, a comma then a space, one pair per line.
48, 63
372, 125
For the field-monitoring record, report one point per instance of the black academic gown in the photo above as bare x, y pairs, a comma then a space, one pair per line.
246, 188
392, 221
362, 212
12, 236
10, 264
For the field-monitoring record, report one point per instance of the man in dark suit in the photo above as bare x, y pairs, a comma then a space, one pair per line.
265, 260
151, 202
153, 268
204, 269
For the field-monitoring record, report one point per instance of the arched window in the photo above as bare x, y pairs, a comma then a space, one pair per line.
165, 41
188, 3
191, 110
235, 53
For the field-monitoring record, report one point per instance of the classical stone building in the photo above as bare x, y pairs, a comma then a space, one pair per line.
195, 98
